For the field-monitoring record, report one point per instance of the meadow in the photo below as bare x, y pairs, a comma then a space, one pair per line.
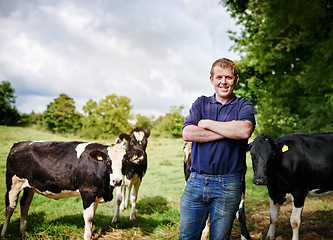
158, 204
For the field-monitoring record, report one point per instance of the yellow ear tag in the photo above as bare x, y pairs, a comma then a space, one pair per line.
134, 157
124, 140
99, 158
285, 148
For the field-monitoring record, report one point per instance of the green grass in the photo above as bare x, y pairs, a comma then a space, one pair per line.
157, 207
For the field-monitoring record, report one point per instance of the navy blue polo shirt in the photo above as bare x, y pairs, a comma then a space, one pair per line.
223, 156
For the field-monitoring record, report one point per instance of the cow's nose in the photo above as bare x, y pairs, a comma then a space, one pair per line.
117, 182
260, 181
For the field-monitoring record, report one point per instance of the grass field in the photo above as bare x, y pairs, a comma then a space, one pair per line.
158, 205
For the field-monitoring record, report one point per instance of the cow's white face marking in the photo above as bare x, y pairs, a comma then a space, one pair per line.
80, 149
116, 153
139, 136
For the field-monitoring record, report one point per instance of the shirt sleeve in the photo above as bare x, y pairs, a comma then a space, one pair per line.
194, 115
247, 112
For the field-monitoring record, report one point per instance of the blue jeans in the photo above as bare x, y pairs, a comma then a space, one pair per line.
217, 196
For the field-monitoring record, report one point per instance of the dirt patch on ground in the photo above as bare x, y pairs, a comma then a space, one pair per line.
317, 221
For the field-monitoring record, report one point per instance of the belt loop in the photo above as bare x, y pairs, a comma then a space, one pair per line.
194, 175
220, 179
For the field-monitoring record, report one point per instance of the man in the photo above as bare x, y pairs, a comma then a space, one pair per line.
219, 127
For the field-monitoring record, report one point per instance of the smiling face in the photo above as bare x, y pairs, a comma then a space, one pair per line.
224, 82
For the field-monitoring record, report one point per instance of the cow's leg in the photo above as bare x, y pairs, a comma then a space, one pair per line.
295, 218
274, 210
295, 221
26, 200
10, 207
90, 203
118, 202
11, 202
128, 195
242, 220
88, 216
123, 202
134, 198
241, 214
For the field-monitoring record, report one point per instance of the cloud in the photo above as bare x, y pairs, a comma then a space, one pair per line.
158, 53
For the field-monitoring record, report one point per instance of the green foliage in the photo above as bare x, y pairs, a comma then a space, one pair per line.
8, 113
108, 117
143, 121
61, 116
172, 123
27, 120
286, 68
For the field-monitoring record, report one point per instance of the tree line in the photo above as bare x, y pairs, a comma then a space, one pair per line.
105, 119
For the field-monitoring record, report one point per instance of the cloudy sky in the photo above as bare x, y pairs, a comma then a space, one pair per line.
157, 53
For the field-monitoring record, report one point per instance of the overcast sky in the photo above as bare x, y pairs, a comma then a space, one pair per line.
158, 53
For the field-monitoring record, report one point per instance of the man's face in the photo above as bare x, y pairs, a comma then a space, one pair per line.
224, 82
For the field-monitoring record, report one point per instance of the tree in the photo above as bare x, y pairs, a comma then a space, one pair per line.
61, 116
172, 122
31, 119
8, 113
143, 121
108, 117
287, 58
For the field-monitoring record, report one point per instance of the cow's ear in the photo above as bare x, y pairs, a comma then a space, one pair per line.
124, 137
137, 156
137, 159
283, 146
147, 132
97, 155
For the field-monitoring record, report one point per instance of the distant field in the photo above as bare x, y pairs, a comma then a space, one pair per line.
158, 205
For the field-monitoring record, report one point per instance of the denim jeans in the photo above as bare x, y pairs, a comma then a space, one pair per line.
216, 196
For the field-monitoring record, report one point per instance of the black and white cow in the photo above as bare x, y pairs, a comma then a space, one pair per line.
136, 169
61, 170
241, 211
292, 166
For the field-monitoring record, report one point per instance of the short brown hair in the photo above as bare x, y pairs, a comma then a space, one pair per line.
224, 63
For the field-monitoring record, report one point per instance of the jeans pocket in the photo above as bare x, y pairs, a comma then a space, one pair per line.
191, 178
232, 184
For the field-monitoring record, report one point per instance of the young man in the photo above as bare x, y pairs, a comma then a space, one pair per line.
219, 127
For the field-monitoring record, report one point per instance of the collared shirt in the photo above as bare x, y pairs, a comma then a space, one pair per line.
223, 156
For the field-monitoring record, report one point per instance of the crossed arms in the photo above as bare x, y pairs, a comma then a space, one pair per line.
209, 130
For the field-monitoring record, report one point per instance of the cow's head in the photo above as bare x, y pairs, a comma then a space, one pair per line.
119, 156
263, 152
139, 138
137, 158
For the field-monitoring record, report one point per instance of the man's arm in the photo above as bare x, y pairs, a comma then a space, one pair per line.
237, 129
193, 133
209, 130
